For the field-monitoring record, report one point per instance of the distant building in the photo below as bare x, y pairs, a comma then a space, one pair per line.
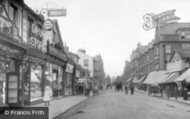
86, 62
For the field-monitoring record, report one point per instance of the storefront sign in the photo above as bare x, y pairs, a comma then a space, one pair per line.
34, 59
69, 68
11, 52
161, 20
56, 53
35, 41
56, 12
186, 46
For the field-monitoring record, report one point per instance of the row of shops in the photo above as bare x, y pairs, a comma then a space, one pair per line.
29, 64
24, 74
176, 83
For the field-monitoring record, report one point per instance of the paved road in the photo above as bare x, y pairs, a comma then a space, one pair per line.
117, 105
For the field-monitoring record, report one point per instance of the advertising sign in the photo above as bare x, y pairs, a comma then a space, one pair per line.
56, 12
69, 68
161, 20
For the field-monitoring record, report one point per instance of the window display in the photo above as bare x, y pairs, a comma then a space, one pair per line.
2, 88
36, 80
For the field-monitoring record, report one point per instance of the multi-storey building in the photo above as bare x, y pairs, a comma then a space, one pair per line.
99, 69
86, 62
28, 61
159, 50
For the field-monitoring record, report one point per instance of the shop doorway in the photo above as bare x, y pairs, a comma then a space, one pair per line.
55, 83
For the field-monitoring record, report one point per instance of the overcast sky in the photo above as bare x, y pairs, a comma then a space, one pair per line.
111, 28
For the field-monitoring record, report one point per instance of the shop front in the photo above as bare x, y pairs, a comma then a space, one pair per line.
56, 61
9, 75
69, 77
11, 54
33, 80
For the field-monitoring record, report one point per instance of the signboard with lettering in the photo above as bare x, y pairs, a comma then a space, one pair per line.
69, 68
36, 39
161, 20
53, 51
56, 12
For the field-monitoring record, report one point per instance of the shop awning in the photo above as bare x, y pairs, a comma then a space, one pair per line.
185, 75
135, 80
172, 77
141, 79
155, 77
129, 79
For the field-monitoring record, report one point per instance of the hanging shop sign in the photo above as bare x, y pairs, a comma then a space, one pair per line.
7, 26
161, 20
69, 68
53, 51
57, 12
11, 52
48, 24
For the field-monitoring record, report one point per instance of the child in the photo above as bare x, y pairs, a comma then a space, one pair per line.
47, 95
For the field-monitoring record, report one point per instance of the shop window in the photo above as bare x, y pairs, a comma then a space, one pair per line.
13, 13
2, 88
36, 80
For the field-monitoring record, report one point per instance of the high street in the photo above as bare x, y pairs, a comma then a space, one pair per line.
117, 105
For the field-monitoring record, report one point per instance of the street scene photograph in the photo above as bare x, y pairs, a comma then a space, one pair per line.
94, 59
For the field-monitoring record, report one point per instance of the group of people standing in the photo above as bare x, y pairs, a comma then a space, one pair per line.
131, 87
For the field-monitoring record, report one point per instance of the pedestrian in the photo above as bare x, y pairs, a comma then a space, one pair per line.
126, 89
132, 89
47, 95
176, 92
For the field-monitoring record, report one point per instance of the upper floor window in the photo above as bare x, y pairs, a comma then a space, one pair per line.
13, 13
29, 26
1, 1
168, 49
86, 62
184, 35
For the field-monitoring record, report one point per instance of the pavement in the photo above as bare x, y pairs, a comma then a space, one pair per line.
179, 99
61, 104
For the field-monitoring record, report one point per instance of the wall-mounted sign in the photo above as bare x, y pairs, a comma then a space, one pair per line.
162, 19
11, 52
56, 12
36, 39
53, 51
69, 68
48, 25
185, 46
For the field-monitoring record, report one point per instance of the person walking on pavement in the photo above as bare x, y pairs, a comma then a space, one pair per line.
176, 92
126, 89
132, 89
47, 95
